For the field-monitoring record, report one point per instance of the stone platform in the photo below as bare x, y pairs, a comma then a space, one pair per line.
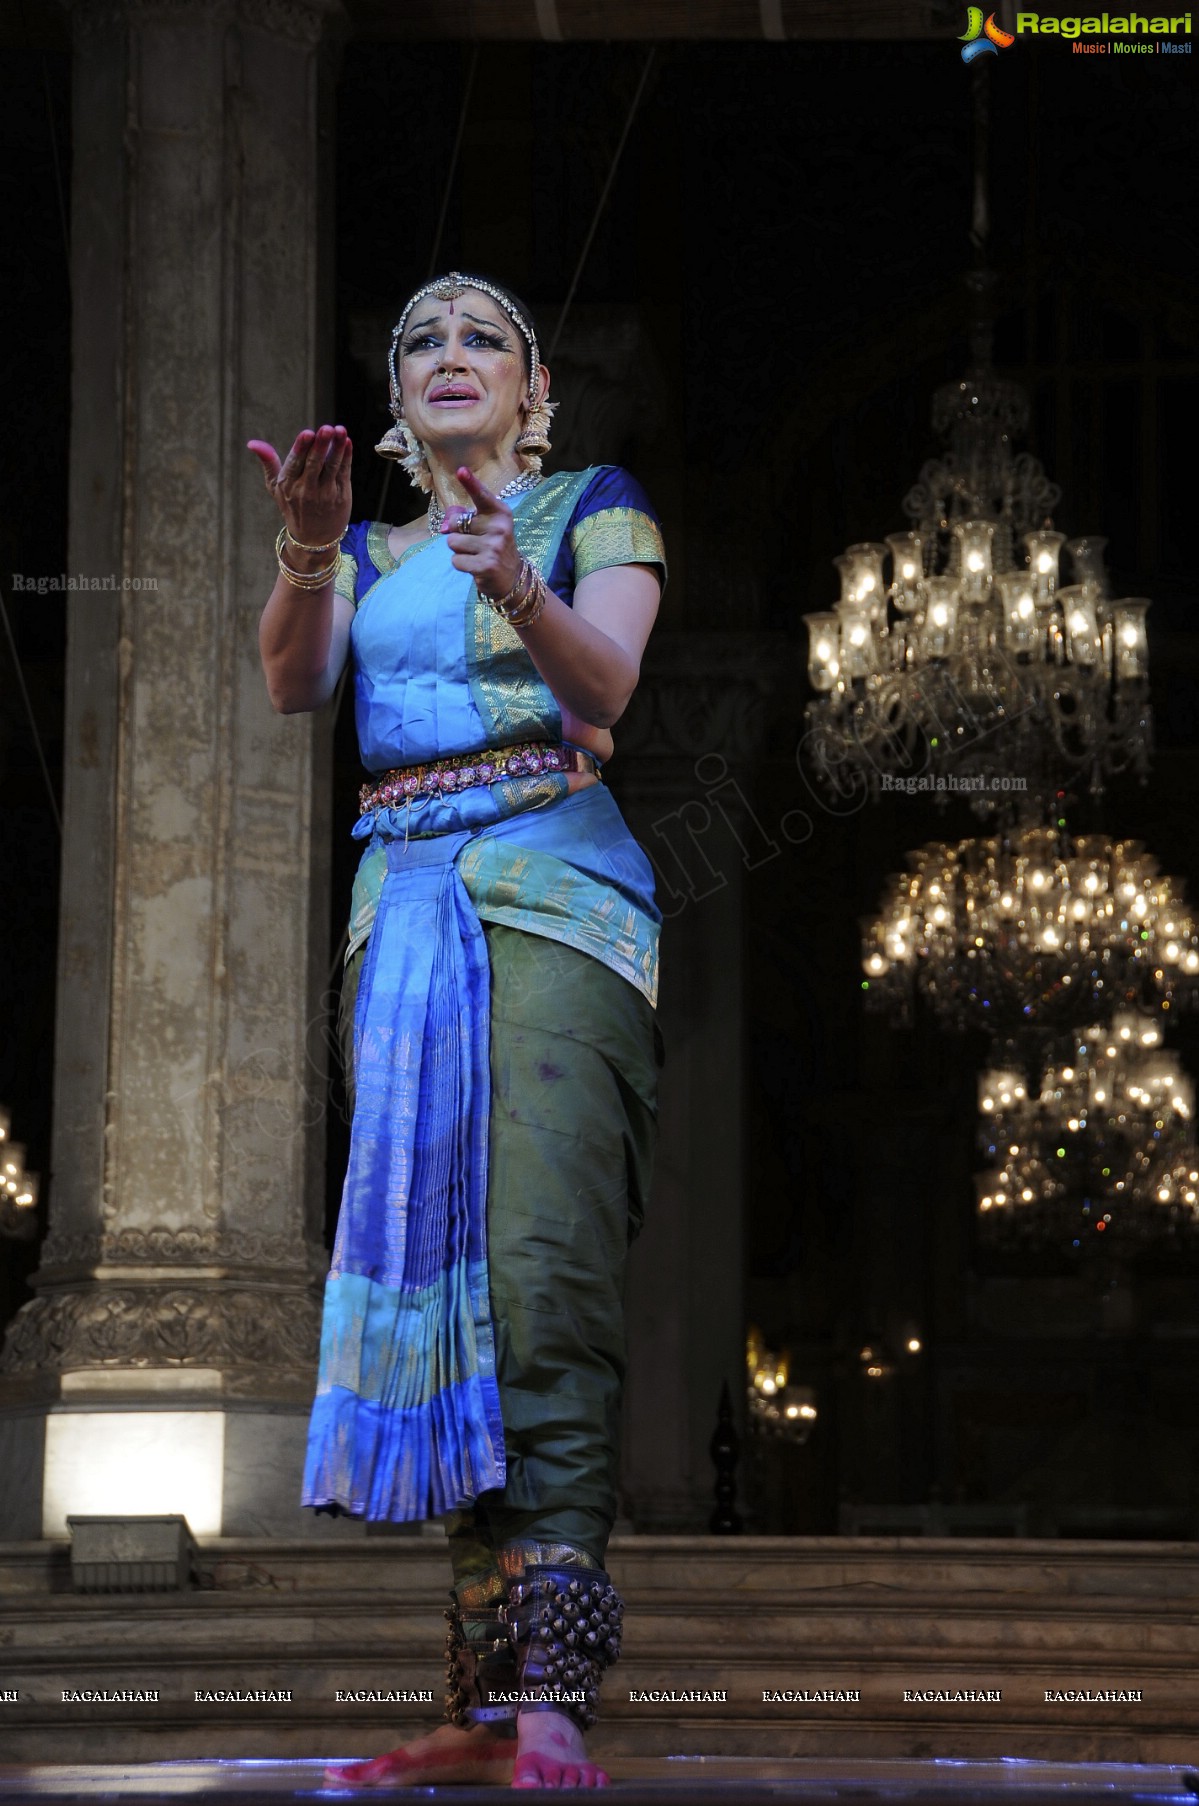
716, 1781
829, 1649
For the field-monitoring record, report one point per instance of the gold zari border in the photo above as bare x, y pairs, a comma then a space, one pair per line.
616, 536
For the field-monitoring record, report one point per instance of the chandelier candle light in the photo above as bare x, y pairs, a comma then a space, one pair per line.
1035, 929
987, 667
774, 1406
975, 658
1097, 1151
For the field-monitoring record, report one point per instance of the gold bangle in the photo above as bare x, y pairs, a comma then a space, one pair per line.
317, 580
516, 595
536, 601
304, 579
301, 547
525, 600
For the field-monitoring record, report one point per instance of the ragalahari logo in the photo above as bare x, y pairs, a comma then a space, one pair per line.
983, 38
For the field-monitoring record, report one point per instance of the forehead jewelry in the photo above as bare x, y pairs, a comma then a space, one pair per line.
449, 288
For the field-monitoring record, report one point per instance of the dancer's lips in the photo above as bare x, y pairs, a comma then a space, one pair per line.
453, 392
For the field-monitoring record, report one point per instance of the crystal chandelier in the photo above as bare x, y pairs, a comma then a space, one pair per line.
1093, 1151
1034, 929
973, 664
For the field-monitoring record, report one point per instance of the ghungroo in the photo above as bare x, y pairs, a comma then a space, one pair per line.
479, 1664
565, 1626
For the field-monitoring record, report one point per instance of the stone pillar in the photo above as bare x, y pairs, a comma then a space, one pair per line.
166, 1362
682, 779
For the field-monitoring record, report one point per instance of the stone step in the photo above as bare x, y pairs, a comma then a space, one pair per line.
738, 1617
350, 1734
750, 1692
806, 1630
642, 1781
764, 1570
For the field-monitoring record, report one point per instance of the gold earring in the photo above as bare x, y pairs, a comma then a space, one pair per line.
399, 441
535, 434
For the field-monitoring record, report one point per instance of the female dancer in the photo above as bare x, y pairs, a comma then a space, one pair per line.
498, 1012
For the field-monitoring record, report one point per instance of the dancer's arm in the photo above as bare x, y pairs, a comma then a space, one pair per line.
303, 636
588, 654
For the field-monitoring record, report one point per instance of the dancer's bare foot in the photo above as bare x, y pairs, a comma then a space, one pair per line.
551, 1753
446, 1754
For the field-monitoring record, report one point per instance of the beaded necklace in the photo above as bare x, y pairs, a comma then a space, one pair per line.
528, 479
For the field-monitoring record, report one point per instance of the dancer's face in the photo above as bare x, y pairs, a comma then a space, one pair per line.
463, 375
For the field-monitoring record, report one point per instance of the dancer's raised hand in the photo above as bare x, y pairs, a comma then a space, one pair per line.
311, 485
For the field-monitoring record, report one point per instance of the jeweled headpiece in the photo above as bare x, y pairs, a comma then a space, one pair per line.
449, 288
401, 443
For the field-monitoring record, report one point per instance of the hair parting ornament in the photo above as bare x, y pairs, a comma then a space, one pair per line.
450, 288
401, 443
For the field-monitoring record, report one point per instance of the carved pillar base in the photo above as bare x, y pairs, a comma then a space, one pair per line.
174, 1372
230, 1470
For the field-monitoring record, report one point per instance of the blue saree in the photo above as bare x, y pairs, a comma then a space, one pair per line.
407, 1422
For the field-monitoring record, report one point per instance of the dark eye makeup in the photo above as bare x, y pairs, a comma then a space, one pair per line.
420, 341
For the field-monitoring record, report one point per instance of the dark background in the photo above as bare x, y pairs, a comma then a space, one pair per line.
785, 240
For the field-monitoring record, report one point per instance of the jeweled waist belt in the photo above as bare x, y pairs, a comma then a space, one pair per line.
467, 771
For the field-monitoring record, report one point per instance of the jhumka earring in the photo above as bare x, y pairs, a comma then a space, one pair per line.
396, 441
535, 434
400, 443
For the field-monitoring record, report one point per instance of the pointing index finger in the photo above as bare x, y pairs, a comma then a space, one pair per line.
480, 495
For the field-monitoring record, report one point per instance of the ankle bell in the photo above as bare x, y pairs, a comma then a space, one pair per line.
565, 1625
479, 1667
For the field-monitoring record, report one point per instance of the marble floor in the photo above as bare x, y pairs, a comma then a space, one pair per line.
663, 1781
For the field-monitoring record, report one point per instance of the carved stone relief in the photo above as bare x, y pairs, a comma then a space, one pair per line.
164, 1326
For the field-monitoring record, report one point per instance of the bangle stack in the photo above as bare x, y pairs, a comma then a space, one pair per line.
307, 579
525, 600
